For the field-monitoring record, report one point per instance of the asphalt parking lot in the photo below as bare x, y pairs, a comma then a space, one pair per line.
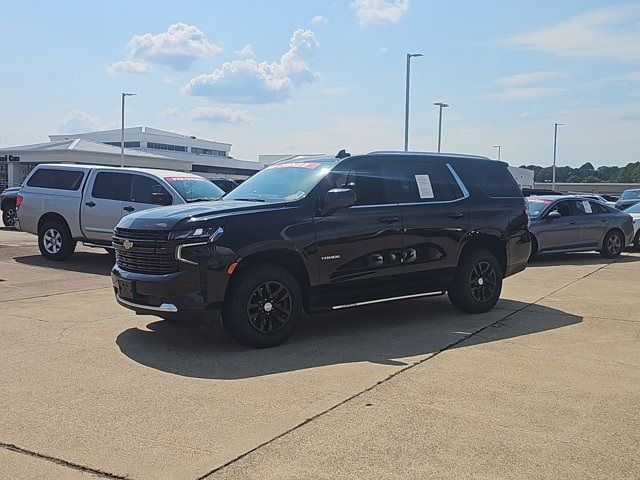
547, 385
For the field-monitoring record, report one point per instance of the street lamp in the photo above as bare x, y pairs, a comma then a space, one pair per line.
555, 146
499, 147
406, 101
441, 105
122, 128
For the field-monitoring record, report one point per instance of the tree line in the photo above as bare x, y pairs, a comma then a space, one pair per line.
587, 174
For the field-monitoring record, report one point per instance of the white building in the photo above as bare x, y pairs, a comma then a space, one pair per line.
144, 147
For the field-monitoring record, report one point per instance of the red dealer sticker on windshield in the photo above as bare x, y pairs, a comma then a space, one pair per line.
309, 165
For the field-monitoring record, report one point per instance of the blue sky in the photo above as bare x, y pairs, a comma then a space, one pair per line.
318, 76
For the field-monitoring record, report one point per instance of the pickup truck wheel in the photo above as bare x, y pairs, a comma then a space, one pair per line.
55, 241
264, 307
9, 215
477, 284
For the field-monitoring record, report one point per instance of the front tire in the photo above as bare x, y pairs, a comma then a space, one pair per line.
477, 283
612, 244
534, 249
55, 241
9, 215
264, 307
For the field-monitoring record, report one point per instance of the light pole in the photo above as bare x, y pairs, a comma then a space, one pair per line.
406, 100
441, 105
124, 94
499, 147
555, 146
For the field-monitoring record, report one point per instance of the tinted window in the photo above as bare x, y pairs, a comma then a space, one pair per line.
492, 177
599, 208
564, 208
112, 186
144, 187
580, 208
365, 178
55, 178
426, 181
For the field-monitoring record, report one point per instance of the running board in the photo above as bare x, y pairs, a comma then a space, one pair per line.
97, 245
390, 299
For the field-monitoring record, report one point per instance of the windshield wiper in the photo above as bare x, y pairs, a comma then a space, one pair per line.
203, 199
262, 200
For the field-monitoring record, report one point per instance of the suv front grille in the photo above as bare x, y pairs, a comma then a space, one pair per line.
150, 252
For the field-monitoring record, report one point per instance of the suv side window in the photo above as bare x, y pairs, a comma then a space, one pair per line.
426, 181
56, 178
143, 187
112, 186
492, 177
598, 208
366, 179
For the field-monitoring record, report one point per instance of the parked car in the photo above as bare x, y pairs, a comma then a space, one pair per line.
66, 203
528, 192
598, 198
576, 224
324, 234
628, 198
610, 198
225, 184
8, 205
634, 211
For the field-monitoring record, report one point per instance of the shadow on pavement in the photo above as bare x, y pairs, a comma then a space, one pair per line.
96, 263
377, 334
579, 259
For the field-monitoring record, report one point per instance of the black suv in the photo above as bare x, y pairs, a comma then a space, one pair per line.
324, 234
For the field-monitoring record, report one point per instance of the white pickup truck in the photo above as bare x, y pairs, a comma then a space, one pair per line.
66, 203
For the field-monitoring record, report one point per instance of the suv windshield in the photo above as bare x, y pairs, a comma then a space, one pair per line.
282, 182
535, 206
193, 189
630, 195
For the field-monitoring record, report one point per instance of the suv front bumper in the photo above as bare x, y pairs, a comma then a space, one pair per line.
191, 289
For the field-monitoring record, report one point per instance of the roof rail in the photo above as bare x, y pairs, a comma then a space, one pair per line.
402, 152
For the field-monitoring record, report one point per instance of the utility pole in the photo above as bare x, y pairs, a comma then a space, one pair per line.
406, 100
122, 128
555, 148
441, 105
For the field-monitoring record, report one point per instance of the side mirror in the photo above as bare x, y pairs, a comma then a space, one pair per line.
338, 198
554, 214
161, 199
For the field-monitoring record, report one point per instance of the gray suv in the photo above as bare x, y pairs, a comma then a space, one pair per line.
577, 224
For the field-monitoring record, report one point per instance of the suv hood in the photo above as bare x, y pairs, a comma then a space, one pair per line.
188, 215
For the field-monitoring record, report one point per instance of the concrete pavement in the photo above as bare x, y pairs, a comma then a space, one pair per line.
546, 385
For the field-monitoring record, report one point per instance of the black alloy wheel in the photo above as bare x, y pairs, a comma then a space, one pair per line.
482, 281
269, 307
9, 216
612, 245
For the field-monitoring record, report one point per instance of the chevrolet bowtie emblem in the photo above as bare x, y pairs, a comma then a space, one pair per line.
127, 244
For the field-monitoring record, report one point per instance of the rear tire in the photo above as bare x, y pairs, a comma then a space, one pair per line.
636, 241
55, 241
264, 307
9, 215
612, 244
534, 249
477, 283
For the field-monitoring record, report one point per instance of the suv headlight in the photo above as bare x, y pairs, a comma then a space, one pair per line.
209, 234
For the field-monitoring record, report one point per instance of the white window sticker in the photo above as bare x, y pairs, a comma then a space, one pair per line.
587, 206
424, 186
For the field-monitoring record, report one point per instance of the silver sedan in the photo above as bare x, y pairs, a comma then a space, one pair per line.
577, 224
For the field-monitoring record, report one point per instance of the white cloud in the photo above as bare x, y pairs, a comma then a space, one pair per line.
371, 11
246, 51
171, 112
250, 81
77, 121
319, 19
222, 115
176, 48
527, 78
520, 94
127, 66
610, 32
383, 50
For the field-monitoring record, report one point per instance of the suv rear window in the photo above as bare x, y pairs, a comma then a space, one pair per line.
492, 177
56, 179
426, 181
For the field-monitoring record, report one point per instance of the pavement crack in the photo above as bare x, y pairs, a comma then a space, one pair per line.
54, 294
64, 463
499, 322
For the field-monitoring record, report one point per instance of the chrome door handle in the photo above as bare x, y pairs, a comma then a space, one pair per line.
455, 215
